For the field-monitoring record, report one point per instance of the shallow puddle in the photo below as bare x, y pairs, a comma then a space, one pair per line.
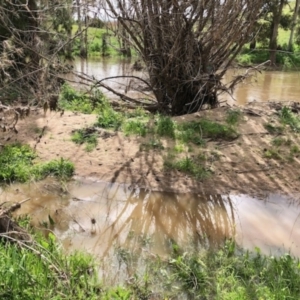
116, 222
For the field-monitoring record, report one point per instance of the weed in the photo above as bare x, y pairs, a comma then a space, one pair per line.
179, 148
233, 116
289, 118
210, 129
16, 164
152, 144
109, 118
278, 141
190, 165
41, 271
295, 149
273, 129
88, 136
272, 153
165, 126
135, 127
73, 100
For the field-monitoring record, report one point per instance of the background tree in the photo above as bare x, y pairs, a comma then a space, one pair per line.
293, 24
186, 46
32, 36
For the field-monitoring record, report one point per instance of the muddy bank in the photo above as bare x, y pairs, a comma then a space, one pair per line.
238, 166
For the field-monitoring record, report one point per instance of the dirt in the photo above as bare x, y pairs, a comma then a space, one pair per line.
237, 166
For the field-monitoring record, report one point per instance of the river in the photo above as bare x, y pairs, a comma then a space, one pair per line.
261, 87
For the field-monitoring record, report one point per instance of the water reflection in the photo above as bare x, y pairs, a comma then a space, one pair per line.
100, 217
262, 87
121, 225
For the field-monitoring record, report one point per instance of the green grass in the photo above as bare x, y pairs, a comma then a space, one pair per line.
40, 270
86, 136
273, 129
17, 164
233, 117
194, 165
279, 141
272, 154
287, 117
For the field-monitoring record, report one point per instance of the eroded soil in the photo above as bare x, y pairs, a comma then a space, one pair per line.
237, 166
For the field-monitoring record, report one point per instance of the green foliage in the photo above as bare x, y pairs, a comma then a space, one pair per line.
272, 153
109, 118
209, 129
16, 164
73, 100
233, 117
152, 144
135, 127
231, 273
42, 271
194, 166
278, 141
287, 117
272, 129
87, 136
165, 126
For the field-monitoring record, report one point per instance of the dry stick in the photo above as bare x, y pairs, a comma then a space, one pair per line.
13, 207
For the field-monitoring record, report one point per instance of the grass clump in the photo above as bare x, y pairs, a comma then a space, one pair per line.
42, 271
152, 144
195, 131
136, 127
86, 136
272, 154
233, 117
230, 273
16, 164
109, 118
272, 129
287, 117
165, 126
194, 166
78, 101
278, 141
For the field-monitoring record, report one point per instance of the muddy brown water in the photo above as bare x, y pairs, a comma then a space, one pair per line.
119, 223
261, 87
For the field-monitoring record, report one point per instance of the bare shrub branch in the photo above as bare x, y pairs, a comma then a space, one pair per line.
187, 46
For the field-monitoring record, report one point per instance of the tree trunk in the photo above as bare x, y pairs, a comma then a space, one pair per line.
82, 48
294, 23
277, 13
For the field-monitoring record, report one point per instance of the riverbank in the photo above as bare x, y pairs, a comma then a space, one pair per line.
250, 163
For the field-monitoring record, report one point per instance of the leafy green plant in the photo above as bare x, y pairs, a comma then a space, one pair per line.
272, 129
17, 164
87, 136
210, 129
194, 166
278, 141
71, 99
109, 118
272, 153
165, 126
233, 116
152, 144
289, 118
135, 127
41, 271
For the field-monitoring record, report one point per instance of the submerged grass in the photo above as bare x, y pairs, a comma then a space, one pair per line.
17, 164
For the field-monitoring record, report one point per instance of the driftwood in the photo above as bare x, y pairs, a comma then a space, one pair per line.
9, 228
